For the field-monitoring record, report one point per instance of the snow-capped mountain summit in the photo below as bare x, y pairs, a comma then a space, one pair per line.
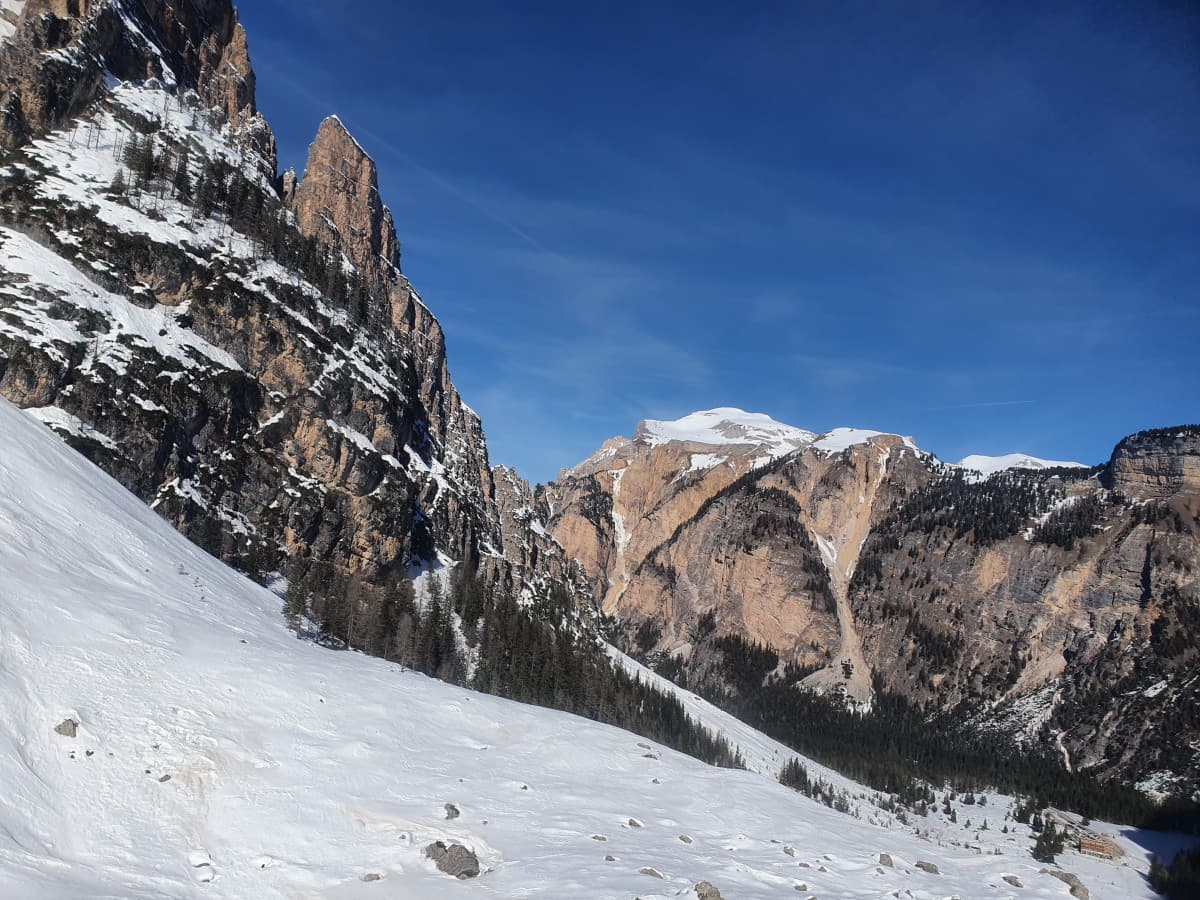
723, 426
989, 465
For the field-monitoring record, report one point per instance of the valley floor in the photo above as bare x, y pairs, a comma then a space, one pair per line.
217, 756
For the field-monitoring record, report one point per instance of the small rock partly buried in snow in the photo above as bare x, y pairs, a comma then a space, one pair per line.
371, 876
608, 857
706, 891
452, 811
454, 859
927, 867
164, 778
67, 728
599, 837
885, 860
198, 858
1012, 879
634, 823
790, 851
1078, 891
685, 838
802, 886
651, 871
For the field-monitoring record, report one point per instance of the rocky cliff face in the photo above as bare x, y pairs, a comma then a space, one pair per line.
240, 350
1157, 463
1053, 601
54, 63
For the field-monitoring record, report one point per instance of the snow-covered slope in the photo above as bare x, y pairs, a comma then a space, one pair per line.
989, 465
726, 425
218, 756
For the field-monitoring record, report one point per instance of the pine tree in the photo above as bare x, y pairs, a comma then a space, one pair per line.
1048, 844
182, 179
117, 188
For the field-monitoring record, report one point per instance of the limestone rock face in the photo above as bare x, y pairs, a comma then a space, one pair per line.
1157, 463
338, 200
53, 65
219, 365
866, 558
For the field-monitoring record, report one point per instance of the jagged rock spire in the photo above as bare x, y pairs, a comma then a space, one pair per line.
338, 201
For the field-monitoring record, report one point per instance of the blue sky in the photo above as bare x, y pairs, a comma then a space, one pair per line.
974, 223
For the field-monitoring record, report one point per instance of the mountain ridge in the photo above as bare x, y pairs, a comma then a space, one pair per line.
729, 426
867, 559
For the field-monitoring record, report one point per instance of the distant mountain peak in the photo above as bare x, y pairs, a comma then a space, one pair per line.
989, 465
725, 425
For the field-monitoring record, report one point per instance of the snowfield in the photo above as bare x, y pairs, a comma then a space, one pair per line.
990, 465
217, 756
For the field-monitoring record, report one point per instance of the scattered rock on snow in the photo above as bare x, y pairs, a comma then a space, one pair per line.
651, 871
454, 859
372, 876
634, 823
452, 811
164, 778
706, 891
67, 728
599, 837
927, 867
790, 851
608, 857
1012, 879
685, 838
885, 859
1078, 891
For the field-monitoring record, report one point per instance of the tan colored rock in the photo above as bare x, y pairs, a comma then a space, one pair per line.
338, 201
1157, 463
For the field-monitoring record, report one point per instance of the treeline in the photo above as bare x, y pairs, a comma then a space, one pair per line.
478, 638
982, 512
896, 744
1070, 523
153, 169
987, 511
795, 775
1180, 880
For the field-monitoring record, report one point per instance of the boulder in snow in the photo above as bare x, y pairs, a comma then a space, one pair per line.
453, 859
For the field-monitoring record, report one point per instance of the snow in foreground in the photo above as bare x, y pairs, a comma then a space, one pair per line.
218, 756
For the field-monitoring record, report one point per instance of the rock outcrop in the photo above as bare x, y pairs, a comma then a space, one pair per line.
239, 349
453, 859
860, 559
1157, 463
338, 201
54, 64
